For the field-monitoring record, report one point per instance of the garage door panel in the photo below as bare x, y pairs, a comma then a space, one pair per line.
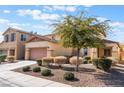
38, 53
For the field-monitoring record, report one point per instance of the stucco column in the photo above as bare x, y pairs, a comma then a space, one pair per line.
27, 54
49, 52
16, 54
8, 52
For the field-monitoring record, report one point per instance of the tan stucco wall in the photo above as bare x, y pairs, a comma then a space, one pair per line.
37, 44
115, 50
53, 49
59, 50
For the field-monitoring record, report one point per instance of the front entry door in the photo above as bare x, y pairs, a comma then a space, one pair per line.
108, 52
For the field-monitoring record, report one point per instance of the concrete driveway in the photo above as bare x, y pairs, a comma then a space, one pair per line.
10, 78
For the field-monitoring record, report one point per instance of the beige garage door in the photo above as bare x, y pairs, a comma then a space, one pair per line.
36, 53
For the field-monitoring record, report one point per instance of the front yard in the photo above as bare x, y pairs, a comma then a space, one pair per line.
88, 76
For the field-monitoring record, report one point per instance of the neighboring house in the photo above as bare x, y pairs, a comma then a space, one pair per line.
122, 52
14, 43
48, 45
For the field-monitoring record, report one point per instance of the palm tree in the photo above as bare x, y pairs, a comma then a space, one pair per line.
81, 32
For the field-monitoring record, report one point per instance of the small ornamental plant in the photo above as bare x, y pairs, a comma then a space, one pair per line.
60, 60
69, 76
103, 63
73, 60
46, 72
39, 62
36, 69
46, 61
25, 69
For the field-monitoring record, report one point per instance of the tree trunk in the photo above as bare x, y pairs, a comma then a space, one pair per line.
77, 63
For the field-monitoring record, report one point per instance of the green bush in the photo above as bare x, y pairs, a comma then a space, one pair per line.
103, 63
46, 72
87, 58
85, 62
90, 61
39, 62
25, 69
2, 58
36, 69
95, 62
69, 76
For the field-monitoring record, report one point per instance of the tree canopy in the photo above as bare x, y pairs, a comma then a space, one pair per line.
81, 31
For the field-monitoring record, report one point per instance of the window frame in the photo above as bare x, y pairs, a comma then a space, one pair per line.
23, 37
13, 37
6, 38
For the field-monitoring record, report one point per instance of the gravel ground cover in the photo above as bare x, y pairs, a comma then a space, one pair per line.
88, 76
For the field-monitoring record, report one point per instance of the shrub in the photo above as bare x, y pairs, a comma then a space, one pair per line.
2, 58
69, 76
39, 62
46, 72
11, 59
25, 69
87, 58
114, 60
85, 62
95, 62
60, 59
103, 63
90, 61
36, 69
47, 60
73, 60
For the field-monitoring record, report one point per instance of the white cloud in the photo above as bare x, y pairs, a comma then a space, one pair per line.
1, 36
8, 23
3, 21
6, 11
38, 15
61, 8
87, 6
23, 12
117, 24
43, 27
101, 19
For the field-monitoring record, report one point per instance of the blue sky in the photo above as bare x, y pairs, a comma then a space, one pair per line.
39, 18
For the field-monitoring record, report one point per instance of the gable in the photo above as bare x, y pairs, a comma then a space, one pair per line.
8, 31
35, 39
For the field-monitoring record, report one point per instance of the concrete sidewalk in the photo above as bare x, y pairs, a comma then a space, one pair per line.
22, 80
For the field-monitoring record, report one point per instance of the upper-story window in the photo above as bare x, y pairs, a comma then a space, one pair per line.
13, 37
23, 37
6, 38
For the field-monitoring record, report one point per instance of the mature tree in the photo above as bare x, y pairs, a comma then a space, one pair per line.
81, 32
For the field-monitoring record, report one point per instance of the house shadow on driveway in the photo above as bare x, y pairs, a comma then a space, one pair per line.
115, 78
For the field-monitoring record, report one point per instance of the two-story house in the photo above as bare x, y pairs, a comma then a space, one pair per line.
14, 43
25, 45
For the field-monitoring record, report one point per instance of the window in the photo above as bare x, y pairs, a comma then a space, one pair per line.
107, 52
23, 37
6, 38
85, 51
12, 52
13, 37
